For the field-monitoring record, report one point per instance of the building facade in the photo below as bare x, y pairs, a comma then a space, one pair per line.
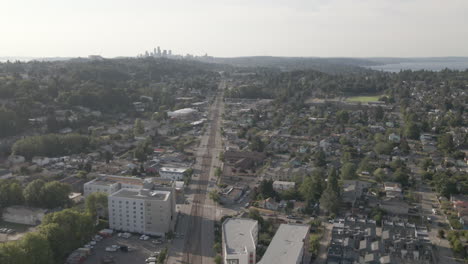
143, 211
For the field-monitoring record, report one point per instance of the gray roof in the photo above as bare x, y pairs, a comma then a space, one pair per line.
142, 194
238, 235
287, 244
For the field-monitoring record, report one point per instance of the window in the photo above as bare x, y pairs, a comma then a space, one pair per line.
232, 261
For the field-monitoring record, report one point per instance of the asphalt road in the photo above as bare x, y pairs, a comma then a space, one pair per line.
196, 220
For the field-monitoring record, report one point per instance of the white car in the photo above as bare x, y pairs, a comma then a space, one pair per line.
144, 237
111, 249
151, 259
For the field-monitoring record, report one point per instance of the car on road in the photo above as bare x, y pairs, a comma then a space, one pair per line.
151, 259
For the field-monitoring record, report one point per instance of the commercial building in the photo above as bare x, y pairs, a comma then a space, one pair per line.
239, 239
175, 174
289, 245
143, 211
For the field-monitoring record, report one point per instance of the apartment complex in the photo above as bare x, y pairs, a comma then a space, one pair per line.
289, 245
239, 237
110, 184
144, 211
145, 206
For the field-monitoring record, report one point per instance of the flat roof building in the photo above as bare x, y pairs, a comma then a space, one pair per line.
239, 238
175, 174
143, 211
289, 245
111, 183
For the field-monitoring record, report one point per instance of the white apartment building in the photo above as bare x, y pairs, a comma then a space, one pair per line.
289, 245
110, 184
239, 238
175, 174
283, 185
143, 211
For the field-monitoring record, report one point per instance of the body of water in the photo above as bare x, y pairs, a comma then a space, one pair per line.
415, 66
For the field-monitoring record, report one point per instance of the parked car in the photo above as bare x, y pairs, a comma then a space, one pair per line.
111, 249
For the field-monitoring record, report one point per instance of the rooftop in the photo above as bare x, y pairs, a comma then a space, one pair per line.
111, 179
287, 244
238, 235
177, 170
144, 194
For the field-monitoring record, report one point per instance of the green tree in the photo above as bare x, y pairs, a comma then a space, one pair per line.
446, 143
12, 253
320, 158
401, 177
330, 201
96, 204
55, 194
59, 241
265, 188
332, 181
37, 248
256, 144
218, 259
138, 127
412, 130
348, 171
342, 117
33, 193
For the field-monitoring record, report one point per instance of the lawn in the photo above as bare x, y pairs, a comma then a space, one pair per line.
363, 99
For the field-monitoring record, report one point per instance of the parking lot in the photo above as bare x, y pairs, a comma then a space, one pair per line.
141, 250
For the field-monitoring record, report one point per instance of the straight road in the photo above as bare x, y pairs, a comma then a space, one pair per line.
196, 220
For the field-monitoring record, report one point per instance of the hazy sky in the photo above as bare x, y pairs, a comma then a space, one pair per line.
324, 28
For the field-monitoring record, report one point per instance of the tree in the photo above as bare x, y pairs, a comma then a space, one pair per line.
96, 204
11, 193
265, 188
55, 194
138, 127
330, 201
348, 171
401, 177
33, 193
12, 253
311, 188
332, 181
256, 144
383, 148
342, 117
412, 130
218, 259
59, 241
37, 248
320, 158
140, 153
446, 143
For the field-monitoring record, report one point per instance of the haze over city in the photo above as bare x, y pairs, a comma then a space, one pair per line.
323, 28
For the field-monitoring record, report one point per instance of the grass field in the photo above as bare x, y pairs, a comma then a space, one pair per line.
363, 99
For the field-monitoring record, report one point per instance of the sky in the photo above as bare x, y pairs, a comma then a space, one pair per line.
230, 28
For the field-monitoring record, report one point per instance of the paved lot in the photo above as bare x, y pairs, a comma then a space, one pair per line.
143, 249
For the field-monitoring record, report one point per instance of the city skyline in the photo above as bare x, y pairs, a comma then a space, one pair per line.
323, 28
